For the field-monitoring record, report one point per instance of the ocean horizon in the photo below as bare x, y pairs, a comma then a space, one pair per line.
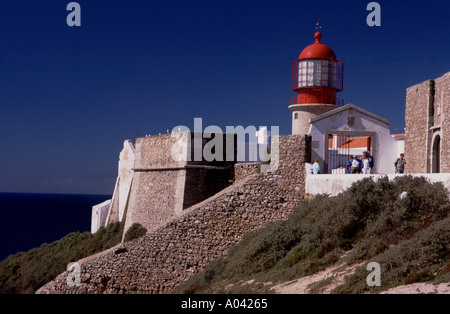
28, 220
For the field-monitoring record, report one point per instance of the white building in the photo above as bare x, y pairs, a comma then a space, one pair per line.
352, 121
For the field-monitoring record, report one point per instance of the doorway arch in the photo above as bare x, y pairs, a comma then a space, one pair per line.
436, 155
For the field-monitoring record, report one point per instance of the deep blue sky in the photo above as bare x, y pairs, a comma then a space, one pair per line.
70, 96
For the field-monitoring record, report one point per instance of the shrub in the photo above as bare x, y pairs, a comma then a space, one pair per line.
135, 231
26, 272
423, 276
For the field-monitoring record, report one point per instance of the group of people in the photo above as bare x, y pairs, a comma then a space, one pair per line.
364, 165
355, 165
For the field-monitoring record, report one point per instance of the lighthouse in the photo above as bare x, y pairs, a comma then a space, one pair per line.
317, 76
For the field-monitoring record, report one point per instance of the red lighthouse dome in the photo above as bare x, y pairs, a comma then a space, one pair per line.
318, 50
317, 75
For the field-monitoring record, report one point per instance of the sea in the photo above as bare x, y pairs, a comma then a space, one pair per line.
29, 220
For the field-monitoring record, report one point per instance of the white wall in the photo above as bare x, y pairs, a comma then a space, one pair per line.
400, 147
99, 215
126, 164
384, 146
117, 206
335, 184
127, 159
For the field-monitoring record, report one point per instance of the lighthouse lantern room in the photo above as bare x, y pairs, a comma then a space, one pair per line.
317, 76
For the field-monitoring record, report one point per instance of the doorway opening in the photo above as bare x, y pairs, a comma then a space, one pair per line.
342, 148
436, 155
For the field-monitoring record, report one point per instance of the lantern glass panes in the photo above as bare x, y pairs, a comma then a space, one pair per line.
319, 73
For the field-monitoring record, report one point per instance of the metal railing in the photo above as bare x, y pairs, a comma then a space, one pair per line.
335, 101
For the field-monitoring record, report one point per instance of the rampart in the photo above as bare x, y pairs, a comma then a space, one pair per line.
170, 254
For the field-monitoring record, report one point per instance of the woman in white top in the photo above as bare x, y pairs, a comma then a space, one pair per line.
366, 165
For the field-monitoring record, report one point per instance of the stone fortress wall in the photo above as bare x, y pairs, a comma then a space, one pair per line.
427, 116
166, 181
185, 244
157, 180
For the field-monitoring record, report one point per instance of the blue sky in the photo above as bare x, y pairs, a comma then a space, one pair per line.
70, 96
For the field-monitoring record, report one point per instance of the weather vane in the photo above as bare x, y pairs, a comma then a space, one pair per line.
318, 27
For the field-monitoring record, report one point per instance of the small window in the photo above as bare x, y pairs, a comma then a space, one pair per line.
296, 116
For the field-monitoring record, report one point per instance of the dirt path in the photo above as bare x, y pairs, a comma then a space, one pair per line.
323, 282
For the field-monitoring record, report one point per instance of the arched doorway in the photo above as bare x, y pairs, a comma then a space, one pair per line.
436, 155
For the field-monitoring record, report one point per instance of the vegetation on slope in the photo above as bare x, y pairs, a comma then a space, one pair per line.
28, 271
135, 231
407, 233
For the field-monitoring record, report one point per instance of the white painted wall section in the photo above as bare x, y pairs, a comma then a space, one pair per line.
126, 165
117, 206
335, 184
99, 215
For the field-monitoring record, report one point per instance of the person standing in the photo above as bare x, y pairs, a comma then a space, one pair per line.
349, 166
356, 165
400, 164
367, 163
316, 166
372, 161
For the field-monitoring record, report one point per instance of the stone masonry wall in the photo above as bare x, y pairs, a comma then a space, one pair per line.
156, 197
242, 171
163, 258
427, 109
163, 186
416, 118
442, 116
156, 151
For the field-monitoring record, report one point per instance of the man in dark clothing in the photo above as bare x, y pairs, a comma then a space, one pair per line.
400, 164
371, 160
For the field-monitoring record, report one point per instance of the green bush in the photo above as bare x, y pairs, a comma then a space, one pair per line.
135, 231
26, 272
406, 235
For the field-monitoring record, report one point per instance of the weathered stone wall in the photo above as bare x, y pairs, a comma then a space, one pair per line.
165, 182
416, 118
156, 151
441, 123
427, 109
242, 171
165, 257
156, 197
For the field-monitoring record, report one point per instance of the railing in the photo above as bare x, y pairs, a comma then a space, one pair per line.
336, 101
